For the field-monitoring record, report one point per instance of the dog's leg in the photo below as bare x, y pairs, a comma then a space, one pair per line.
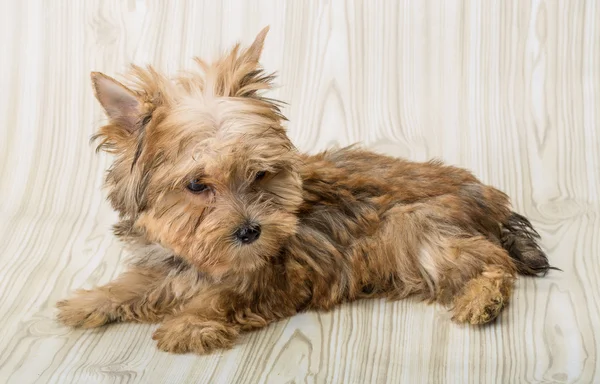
483, 297
475, 276
215, 318
196, 332
139, 294
440, 259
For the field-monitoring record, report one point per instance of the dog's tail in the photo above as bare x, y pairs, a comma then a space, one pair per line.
520, 239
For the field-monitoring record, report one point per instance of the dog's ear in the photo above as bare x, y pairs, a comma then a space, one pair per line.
120, 103
238, 74
242, 75
255, 50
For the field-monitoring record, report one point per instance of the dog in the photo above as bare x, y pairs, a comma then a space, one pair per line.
230, 228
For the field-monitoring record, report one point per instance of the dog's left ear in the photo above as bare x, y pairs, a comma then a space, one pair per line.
239, 74
246, 77
120, 103
255, 50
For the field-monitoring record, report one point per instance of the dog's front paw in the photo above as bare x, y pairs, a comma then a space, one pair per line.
87, 309
189, 333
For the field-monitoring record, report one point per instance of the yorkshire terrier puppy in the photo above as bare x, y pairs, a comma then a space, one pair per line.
231, 228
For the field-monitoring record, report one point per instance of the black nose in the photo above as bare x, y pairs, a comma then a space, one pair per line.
248, 233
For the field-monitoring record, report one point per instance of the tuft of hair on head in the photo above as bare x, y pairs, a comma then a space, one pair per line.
129, 109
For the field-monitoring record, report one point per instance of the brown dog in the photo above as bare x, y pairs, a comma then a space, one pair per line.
231, 228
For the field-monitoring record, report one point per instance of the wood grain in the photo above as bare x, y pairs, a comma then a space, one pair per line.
509, 89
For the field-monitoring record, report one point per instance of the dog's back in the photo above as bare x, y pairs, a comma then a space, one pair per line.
358, 178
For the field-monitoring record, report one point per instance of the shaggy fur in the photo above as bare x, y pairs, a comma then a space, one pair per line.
335, 227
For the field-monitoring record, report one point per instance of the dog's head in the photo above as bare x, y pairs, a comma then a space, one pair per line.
202, 163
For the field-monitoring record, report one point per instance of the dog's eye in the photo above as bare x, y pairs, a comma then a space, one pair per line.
196, 187
260, 175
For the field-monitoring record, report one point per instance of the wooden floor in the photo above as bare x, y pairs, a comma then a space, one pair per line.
509, 89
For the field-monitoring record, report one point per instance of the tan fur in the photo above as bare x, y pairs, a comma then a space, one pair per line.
335, 227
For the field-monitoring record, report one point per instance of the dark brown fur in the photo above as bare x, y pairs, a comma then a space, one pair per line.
336, 227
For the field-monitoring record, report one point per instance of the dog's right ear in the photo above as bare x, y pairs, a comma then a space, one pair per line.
120, 103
